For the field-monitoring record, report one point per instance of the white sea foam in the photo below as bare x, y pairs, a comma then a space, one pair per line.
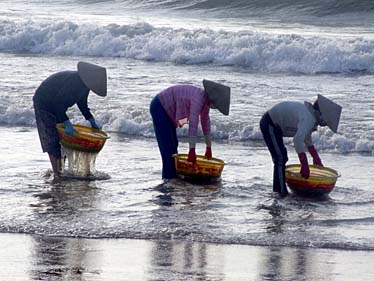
135, 124
16, 116
254, 50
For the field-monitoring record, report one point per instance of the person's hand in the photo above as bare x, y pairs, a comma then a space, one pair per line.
316, 160
208, 153
192, 155
94, 124
69, 129
304, 171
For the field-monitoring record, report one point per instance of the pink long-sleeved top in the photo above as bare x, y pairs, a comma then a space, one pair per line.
187, 101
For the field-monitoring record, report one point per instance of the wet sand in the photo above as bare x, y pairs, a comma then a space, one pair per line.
28, 257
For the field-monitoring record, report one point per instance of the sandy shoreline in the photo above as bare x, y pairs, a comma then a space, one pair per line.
28, 257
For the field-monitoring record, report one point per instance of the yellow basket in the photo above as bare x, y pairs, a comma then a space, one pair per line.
86, 139
202, 169
322, 180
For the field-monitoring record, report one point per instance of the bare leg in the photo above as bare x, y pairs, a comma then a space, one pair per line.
56, 165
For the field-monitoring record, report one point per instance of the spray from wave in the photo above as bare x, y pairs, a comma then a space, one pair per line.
251, 50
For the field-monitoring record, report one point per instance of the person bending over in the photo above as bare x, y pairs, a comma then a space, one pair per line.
297, 120
182, 104
55, 95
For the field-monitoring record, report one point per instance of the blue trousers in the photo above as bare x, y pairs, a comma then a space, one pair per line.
166, 135
274, 140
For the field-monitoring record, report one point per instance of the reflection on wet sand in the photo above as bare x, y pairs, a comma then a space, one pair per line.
56, 258
26, 257
284, 263
183, 260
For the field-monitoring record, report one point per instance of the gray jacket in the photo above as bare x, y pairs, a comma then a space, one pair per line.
296, 120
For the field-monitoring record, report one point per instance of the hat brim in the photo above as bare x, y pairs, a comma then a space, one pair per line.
94, 77
330, 112
219, 96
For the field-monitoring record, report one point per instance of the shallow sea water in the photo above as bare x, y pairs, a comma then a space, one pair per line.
132, 203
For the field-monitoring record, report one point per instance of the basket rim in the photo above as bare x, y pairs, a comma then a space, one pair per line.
337, 174
200, 158
103, 134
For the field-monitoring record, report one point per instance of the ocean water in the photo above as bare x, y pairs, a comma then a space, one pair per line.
266, 51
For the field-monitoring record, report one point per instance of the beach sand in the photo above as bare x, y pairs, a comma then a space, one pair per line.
29, 257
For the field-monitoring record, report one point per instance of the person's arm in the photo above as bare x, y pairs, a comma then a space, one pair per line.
195, 109
192, 132
304, 130
83, 105
304, 170
316, 159
205, 125
312, 150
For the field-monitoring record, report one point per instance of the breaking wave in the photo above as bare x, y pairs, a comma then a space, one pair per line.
255, 51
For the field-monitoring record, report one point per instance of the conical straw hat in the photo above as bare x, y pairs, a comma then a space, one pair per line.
330, 112
219, 95
94, 77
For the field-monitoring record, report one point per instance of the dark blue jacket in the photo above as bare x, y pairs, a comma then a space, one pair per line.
59, 92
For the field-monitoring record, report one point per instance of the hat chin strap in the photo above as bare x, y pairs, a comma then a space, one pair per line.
319, 118
317, 114
322, 123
